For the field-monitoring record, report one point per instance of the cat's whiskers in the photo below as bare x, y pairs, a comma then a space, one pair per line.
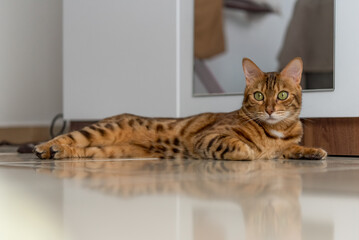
289, 120
251, 117
249, 120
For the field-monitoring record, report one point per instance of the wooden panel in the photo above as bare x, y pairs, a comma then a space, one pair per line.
20, 135
338, 136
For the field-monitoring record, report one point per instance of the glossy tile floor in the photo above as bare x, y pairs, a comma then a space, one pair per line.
178, 199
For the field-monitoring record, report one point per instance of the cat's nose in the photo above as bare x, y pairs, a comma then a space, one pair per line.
269, 110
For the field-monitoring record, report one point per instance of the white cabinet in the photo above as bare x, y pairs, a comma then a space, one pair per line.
342, 102
137, 57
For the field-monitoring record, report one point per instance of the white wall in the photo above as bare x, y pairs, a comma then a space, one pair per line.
119, 56
30, 61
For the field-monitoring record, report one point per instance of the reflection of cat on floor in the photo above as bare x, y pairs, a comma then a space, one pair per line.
267, 191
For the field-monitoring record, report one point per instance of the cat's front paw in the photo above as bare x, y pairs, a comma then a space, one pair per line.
315, 154
312, 154
300, 152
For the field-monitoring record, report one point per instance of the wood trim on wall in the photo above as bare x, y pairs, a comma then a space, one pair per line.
338, 136
21, 135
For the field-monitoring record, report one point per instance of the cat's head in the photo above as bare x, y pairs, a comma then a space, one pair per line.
273, 97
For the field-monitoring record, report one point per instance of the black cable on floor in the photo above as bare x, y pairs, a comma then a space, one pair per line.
52, 126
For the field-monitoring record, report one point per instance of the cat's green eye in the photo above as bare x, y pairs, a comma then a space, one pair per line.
258, 96
283, 95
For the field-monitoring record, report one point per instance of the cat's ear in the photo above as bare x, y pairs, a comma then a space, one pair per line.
251, 71
293, 70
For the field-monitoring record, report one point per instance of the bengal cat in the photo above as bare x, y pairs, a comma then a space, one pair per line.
266, 127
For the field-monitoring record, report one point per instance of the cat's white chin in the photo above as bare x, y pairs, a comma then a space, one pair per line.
272, 120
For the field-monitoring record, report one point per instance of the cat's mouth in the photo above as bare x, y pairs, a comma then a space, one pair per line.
275, 117
272, 120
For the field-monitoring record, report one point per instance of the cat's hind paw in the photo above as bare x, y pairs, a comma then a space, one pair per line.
46, 151
42, 151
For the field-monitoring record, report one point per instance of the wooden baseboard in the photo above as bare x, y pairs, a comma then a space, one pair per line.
338, 136
20, 135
